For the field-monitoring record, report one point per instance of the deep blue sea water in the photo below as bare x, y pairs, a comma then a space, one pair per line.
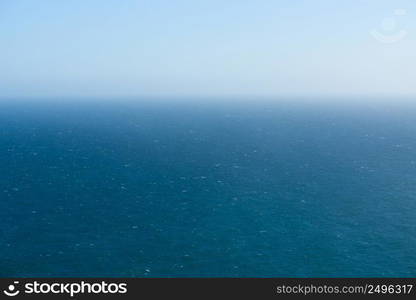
207, 190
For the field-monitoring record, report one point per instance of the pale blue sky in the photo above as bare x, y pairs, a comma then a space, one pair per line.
215, 48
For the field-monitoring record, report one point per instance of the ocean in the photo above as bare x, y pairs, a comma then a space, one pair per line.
207, 189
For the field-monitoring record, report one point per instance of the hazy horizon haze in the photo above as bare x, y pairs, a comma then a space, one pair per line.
182, 49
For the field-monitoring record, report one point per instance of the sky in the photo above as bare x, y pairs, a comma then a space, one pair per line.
215, 48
